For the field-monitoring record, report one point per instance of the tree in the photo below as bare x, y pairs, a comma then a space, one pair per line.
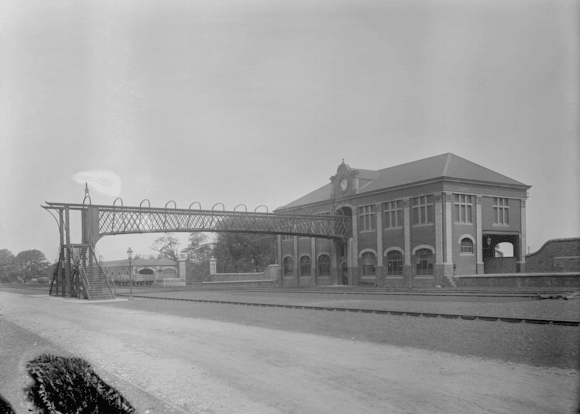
167, 246
194, 249
198, 252
31, 263
8, 271
244, 252
6, 257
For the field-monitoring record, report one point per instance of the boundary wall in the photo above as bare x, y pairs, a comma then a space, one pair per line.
556, 255
267, 278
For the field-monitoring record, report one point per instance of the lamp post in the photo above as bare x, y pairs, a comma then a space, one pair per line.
130, 256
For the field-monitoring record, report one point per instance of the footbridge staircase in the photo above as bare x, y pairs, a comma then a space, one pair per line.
78, 274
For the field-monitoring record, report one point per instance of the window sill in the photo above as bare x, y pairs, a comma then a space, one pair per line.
500, 225
422, 225
367, 231
466, 254
461, 222
393, 228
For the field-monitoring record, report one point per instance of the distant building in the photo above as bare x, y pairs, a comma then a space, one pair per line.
413, 224
145, 271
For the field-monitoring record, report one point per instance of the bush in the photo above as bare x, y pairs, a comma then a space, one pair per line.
69, 385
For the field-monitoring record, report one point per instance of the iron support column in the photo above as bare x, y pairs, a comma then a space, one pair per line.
68, 266
59, 278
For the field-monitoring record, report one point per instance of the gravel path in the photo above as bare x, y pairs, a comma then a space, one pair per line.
505, 307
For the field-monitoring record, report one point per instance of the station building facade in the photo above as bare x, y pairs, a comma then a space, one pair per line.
413, 225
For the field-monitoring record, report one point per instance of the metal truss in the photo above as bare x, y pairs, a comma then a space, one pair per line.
125, 220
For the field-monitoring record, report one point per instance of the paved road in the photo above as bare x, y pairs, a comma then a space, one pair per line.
208, 366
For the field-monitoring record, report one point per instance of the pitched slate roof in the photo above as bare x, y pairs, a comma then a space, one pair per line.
447, 165
323, 193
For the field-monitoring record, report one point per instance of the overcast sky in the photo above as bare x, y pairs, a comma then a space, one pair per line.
257, 102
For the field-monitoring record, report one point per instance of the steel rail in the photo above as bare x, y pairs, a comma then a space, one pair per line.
536, 321
378, 292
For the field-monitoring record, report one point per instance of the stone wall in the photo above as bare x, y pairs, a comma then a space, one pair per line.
270, 274
556, 255
500, 265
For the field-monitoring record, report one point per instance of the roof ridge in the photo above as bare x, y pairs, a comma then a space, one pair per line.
488, 169
447, 163
411, 162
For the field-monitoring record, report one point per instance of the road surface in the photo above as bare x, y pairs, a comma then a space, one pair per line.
204, 366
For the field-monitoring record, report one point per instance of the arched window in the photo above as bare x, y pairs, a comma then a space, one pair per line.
424, 262
466, 245
368, 264
305, 266
394, 263
324, 265
146, 272
288, 266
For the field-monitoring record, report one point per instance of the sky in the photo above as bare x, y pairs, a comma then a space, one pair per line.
257, 102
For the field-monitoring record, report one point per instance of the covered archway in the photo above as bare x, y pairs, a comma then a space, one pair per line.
146, 276
494, 259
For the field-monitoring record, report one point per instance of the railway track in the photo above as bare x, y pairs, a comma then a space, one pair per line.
534, 321
368, 291
347, 290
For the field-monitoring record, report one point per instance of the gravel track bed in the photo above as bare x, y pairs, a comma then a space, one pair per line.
541, 345
505, 307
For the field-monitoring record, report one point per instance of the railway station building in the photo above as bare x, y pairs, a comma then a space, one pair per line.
413, 225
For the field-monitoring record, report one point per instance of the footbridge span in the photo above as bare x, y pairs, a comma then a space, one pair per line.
103, 220
79, 260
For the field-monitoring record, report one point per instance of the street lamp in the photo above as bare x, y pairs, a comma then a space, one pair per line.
130, 256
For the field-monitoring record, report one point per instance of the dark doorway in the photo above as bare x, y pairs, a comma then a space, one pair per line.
344, 274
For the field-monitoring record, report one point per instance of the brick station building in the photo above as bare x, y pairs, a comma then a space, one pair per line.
413, 225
